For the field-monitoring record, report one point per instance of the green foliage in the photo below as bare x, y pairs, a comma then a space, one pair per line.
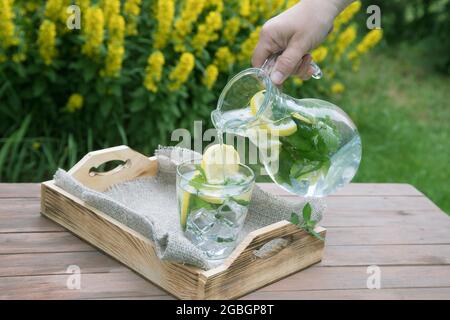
426, 22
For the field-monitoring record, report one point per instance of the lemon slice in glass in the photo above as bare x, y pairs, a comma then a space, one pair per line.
185, 208
220, 161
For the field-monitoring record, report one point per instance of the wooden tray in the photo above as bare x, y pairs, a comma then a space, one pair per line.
242, 272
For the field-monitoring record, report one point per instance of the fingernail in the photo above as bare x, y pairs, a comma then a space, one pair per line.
277, 77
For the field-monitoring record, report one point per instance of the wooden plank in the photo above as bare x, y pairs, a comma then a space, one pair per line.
96, 285
359, 189
391, 277
358, 294
11, 243
23, 215
20, 190
365, 204
32, 264
386, 255
423, 218
388, 235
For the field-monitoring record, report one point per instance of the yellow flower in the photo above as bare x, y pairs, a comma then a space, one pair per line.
46, 41
132, 10
337, 88
347, 14
153, 71
164, 16
116, 50
53, 9
297, 81
7, 29
224, 58
19, 57
231, 29
183, 25
93, 32
113, 63
83, 4
319, 54
344, 40
111, 8
181, 72
272, 8
36, 145
248, 45
75, 102
210, 76
244, 9
207, 31
369, 41
116, 28
291, 3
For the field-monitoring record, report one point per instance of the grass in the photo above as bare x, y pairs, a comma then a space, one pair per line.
402, 111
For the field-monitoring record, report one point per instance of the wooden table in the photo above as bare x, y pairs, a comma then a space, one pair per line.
392, 226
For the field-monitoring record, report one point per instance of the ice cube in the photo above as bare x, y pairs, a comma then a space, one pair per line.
232, 213
201, 221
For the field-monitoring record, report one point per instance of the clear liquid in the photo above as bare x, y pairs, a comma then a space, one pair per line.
314, 161
215, 216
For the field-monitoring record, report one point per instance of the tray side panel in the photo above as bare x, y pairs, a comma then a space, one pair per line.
119, 241
251, 273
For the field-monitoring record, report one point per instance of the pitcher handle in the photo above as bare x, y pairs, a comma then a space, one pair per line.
270, 63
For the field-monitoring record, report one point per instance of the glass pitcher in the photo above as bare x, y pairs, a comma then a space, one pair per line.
309, 147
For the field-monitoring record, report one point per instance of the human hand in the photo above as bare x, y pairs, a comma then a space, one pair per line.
295, 32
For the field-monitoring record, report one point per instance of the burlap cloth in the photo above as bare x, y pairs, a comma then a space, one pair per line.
148, 205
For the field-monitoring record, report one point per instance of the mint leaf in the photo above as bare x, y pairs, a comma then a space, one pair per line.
307, 212
294, 218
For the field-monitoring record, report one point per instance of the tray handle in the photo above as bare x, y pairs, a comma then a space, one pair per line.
134, 165
253, 247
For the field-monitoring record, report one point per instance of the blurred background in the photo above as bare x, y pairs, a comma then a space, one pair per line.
138, 69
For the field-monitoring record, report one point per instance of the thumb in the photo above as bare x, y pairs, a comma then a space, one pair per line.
287, 63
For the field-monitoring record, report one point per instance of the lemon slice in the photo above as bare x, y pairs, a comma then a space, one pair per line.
256, 102
298, 116
244, 196
184, 208
282, 128
212, 198
220, 161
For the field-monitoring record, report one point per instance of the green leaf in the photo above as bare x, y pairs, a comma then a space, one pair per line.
317, 235
307, 212
137, 105
294, 218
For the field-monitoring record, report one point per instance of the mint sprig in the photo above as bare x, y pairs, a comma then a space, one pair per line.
308, 225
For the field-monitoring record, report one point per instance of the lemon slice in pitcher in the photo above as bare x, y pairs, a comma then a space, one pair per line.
220, 161
282, 128
257, 101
